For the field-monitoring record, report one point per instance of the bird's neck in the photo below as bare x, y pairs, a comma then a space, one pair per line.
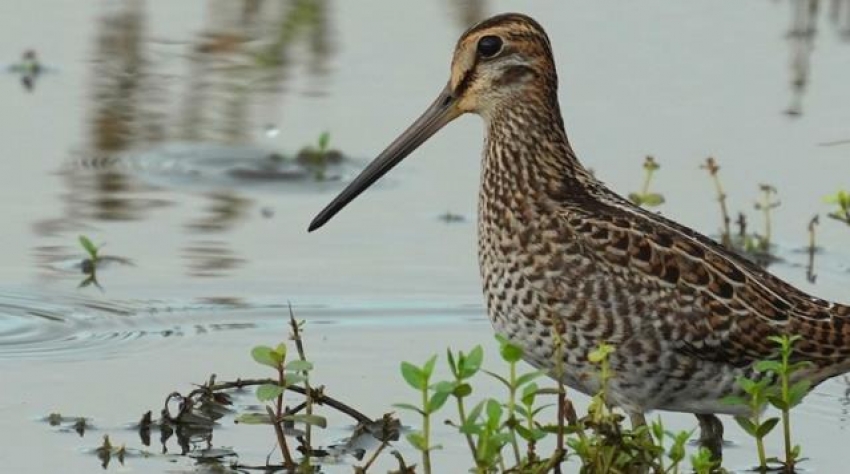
527, 153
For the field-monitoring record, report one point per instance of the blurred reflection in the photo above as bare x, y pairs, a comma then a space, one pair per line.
210, 258
240, 61
122, 90
224, 211
144, 96
802, 34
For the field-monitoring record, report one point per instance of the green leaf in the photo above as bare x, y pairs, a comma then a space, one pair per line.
471, 363
268, 392
281, 351
528, 377
652, 199
444, 386
528, 394
293, 378
428, 368
600, 353
733, 400
636, 199
524, 432
299, 365
454, 366
746, 384
414, 376
324, 140
408, 406
494, 413
437, 401
462, 390
766, 426
510, 352
499, 378
769, 366
798, 391
254, 419
267, 356
88, 246
778, 402
475, 413
746, 425
313, 420
417, 440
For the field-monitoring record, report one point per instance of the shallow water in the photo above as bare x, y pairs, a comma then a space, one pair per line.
150, 132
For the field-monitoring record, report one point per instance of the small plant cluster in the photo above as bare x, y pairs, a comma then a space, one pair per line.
775, 388
89, 265
319, 156
645, 197
755, 245
519, 432
503, 435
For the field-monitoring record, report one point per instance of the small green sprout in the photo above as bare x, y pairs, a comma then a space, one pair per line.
89, 265
645, 197
766, 204
419, 378
90, 248
319, 156
841, 201
288, 374
774, 388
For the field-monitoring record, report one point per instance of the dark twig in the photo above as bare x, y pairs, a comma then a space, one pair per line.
317, 394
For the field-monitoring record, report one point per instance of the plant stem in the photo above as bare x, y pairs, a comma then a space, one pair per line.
511, 411
786, 416
276, 420
461, 410
426, 431
726, 235
299, 345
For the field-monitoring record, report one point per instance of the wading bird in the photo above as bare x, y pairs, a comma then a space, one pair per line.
564, 257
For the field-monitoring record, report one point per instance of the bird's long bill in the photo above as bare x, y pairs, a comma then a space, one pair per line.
441, 112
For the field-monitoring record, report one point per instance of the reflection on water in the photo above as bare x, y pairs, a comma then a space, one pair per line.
805, 17
238, 67
210, 258
224, 211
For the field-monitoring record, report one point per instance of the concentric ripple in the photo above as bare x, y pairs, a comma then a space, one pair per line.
42, 326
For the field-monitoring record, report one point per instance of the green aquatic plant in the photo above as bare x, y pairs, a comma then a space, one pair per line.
773, 387
503, 433
766, 205
788, 394
89, 265
289, 373
841, 202
645, 197
419, 377
91, 249
713, 169
319, 156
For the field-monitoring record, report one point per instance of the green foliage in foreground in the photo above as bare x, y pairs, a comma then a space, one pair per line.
504, 434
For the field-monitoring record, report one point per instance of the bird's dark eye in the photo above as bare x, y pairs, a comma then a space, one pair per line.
489, 46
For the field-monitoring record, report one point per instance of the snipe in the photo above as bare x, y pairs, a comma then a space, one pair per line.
562, 256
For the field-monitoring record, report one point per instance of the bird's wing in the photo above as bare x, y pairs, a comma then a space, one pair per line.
706, 300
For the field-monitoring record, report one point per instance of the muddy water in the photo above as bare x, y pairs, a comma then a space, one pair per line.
156, 128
